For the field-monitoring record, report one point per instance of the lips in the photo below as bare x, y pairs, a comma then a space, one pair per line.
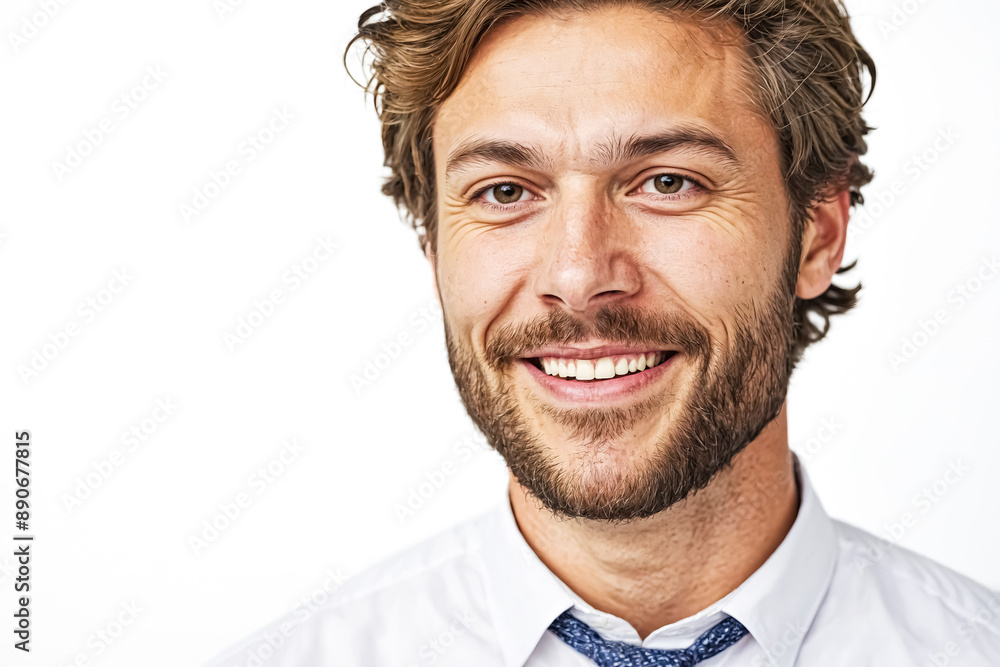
597, 392
587, 367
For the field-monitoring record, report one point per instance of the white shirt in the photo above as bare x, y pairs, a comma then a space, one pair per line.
478, 596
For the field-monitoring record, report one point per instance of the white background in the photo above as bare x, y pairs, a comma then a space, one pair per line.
332, 510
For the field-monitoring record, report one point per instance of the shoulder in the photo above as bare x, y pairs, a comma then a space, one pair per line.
428, 560
430, 589
920, 608
893, 569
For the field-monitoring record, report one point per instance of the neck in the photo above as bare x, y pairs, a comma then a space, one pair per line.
655, 571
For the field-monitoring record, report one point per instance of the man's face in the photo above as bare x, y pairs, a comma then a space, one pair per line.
622, 207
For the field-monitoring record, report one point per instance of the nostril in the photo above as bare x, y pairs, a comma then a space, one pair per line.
598, 299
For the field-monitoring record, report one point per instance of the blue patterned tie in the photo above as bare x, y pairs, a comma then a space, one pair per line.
608, 653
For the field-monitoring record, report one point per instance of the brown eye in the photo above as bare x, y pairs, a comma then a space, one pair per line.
668, 184
505, 193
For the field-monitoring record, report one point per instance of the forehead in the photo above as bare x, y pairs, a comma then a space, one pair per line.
570, 81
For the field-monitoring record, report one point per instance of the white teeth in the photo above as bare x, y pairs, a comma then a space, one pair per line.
584, 369
604, 369
600, 369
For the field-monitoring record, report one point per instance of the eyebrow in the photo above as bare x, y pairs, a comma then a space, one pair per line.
474, 152
606, 154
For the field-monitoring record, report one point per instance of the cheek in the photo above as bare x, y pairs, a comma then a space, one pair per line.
710, 265
481, 274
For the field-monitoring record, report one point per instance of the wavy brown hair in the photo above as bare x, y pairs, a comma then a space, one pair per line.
805, 70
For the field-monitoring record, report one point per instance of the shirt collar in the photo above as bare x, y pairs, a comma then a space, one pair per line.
512, 568
777, 603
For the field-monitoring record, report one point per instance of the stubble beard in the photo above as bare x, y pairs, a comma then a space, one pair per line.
738, 391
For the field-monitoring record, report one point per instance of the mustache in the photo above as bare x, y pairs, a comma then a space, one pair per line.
615, 325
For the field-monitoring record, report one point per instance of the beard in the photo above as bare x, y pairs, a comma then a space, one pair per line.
739, 389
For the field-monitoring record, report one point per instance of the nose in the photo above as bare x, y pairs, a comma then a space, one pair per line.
588, 254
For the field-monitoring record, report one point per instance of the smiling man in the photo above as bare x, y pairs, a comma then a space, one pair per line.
634, 213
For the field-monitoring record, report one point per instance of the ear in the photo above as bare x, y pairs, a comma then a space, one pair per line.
823, 242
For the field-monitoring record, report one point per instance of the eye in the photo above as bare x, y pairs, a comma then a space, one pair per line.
502, 193
668, 184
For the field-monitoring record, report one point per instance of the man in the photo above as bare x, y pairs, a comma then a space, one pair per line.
634, 212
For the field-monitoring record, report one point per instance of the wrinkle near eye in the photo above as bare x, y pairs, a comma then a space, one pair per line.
737, 214
722, 218
456, 234
463, 229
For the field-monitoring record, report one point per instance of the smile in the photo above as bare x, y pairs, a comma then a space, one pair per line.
591, 378
598, 370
